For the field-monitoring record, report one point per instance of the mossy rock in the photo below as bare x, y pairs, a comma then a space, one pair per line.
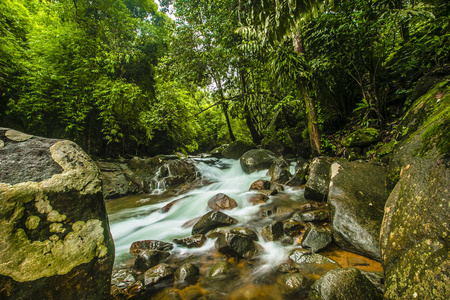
237, 148
362, 137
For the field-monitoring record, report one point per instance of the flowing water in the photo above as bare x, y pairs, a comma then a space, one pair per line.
137, 218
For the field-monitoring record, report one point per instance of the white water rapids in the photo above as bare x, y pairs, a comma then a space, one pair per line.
147, 222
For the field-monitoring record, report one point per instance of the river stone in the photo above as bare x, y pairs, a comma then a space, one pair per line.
122, 278
362, 137
356, 200
257, 160
187, 272
257, 199
291, 283
194, 241
221, 201
149, 258
261, 185
212, 220
303, 256
237, 148
236, 245
293, 227
245, 232
217, 152
156, 274
415, 233
54, 235
316, 238
344, 284
301, 170
279, 171
139, 246
220, 269
272, 232
314, 216
316, 187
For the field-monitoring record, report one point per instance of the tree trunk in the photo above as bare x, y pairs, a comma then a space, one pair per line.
248, 117
230, 130
310, 104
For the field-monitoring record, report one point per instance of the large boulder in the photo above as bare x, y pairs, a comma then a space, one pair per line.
344, 284
237, 148
54, 231
236, 245
416, 228
279, 171
146, 175
257, 160
356, 200
212, 220
316, 187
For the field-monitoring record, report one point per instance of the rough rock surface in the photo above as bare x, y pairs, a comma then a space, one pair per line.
54, 231
212, 220
344, 284
415, 234
362, 137
143, 175
316, 238
316, 187
187, 272
356, 200
194, 241
301, 170
257, 160
236, 245
157, 273
221, 201
236, 149
139, 246
279, 171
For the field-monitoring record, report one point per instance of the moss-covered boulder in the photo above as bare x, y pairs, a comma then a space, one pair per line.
54, 232
356, 200
362, 138
344, 284
237, 148
415, 233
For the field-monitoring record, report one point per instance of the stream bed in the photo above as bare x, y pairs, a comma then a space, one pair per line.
142, 217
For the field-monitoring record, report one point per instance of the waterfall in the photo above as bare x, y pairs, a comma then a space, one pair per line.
148, 222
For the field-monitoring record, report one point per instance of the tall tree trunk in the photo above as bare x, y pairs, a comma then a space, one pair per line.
310, 104
230, 130
256, 137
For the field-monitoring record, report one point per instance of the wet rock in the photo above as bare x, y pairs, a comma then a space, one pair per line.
293, 227
187, 273
303, 256
122, 278
212, 220
299, 176
220, 269
168, 294
139, 246
245, 232
316, 238
344, 284
291, 283
217, 152
193, 292
236, 245
236, 149
279, 171
157, 274
283, 212
362, 138
135, 289
194, 241
356, 200
377, 278
316, 187
287, 268
149, 258
257, 160
221, 201
308, 206
257, 199
314, 216
272, 232
261, 185
54, 228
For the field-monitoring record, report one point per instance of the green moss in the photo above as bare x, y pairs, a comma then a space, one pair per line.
362, 137
386, 148
437, 135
